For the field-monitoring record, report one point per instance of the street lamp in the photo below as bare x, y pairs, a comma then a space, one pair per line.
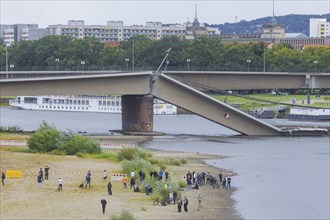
57, 60
82, 66
127, 60
167, 62
248, 63
188, 61
315, 64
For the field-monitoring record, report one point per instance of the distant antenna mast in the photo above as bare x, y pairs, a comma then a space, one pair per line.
195, 11
273, 8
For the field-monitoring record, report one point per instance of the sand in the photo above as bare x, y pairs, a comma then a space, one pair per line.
22, 199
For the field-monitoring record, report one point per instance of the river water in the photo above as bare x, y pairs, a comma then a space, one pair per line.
277, 177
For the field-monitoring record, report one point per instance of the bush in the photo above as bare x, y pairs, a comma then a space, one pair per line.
183, 161
80, 144
128, 153
58, 152
44, 140
174, 162
124, 215
153, 160
136, 164
182, 184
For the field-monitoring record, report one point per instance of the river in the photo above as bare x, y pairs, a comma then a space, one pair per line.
277, 177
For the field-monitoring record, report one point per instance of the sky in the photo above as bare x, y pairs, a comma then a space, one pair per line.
98, 12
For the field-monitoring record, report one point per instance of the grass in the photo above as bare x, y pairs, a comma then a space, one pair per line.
14, 136
103, 155
247, 104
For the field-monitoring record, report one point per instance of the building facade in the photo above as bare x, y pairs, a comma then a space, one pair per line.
319, 28
14, 33
116, 31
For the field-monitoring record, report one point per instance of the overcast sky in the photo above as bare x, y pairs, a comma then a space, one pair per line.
46, 12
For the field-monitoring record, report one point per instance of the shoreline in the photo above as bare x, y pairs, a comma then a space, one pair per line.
217, 203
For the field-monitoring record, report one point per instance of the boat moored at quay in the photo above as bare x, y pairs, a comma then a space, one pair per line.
105, 104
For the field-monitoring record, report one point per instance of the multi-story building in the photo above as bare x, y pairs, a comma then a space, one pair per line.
273, 31
319, 27
12, 34
116, 31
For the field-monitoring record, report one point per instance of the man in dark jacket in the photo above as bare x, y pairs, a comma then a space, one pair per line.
109, 188
104, 203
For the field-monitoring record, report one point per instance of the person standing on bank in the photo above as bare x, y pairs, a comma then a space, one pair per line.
105, 175
46, 172
185, 204
179, 204
109, 188
60, 184
39, 180
104, 203
228, 183
41, 173
88, 179
3, 177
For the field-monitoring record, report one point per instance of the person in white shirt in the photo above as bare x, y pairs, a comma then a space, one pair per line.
60, 184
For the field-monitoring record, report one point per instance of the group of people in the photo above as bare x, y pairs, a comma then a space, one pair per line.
195, 180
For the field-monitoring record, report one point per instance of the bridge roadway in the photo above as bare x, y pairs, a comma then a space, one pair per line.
172, 90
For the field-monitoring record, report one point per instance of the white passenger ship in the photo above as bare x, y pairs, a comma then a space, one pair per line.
309, 114
109, 104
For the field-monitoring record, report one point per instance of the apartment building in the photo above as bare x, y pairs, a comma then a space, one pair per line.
319, 27
14, 33
117, 31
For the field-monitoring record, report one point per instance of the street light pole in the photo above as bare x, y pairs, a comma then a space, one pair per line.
127, 60
188, 61
6, 62
248, 62
315, 64
82, 66
57, 60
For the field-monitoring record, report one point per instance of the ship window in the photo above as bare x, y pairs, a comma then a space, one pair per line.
62, 101
66, 107
78, 102
86, 108
78, 107
75, 102
50, 106
87, 102
74, 107
113, 103
58, 107
83, 102
62, 107
104, 103
30, 100
70, 102
42, 106
46, 106
108, 103
70, 107
100, 103
82, 108
117, 103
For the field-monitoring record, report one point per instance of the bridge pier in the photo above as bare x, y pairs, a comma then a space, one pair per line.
137, 113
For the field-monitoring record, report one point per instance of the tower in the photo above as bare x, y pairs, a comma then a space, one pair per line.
196, 22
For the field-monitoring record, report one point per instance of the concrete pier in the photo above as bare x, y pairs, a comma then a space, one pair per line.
137, 113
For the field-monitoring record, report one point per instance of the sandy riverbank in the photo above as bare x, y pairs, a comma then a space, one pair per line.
22, 199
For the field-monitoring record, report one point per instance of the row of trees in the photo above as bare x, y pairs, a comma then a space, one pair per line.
204, 53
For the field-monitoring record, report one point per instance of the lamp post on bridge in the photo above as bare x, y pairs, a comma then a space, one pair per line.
127, 60
248, 63
188, 61
315, 64
167, 62
57, 60
82, 66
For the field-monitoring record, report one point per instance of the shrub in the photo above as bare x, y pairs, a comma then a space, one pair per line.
128, 153
136, 164
183, 161
153, 160
174, 162
44, 140
124, 215
80, 144
182, 184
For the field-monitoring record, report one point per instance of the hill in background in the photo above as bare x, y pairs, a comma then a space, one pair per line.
293, 24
